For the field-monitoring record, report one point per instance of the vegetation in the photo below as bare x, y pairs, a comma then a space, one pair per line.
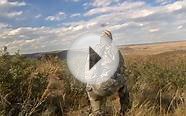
45, 87
158, 83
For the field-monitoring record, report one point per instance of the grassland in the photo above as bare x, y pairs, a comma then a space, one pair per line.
156, 79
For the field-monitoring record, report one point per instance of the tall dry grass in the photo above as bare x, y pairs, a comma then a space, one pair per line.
28, 87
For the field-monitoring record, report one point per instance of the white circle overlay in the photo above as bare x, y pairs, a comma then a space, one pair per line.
78, 59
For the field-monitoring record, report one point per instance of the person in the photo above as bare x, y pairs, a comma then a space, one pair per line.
98, 93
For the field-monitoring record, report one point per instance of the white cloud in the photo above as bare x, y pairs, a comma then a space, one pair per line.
15, 14
2, 25
146, 20
130, 22
119, 26
6, 3
141, 13
91, 24
99, 3
163, 2
38, 16
18, 3
75, 15
79, 27
11, 15
180, 27
176, 6
59, 16
11, 9
125, 25
136, 9
153, 30
37, 39
124, 7
72, 0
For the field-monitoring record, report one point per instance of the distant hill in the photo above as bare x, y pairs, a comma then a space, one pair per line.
140, 49
59, 54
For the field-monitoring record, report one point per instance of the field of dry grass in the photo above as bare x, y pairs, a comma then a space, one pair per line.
156, 48
156, 78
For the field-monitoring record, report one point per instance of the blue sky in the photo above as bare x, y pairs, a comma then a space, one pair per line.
49, 25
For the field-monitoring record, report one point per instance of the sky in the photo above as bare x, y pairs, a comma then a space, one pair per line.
49, 25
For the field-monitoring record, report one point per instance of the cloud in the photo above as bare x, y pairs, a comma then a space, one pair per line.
29, 39
129, 20
38, 39
3, 25
35, 39
125, 6
131, 23
10, 9
180, 27
164, 2
73, 0
136, 9
15, 14
176, 6
99, 3
59, 16
153, 30
75, 15
6, 3
38, 16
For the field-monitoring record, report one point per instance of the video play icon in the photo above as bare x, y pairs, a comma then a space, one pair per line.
92, 59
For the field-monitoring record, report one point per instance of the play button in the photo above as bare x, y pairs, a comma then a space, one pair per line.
92, 59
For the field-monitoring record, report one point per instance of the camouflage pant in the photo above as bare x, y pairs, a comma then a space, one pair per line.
98, 95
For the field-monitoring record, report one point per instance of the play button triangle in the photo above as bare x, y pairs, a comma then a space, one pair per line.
93, 58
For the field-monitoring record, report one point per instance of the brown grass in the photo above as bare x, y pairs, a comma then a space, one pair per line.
156, 81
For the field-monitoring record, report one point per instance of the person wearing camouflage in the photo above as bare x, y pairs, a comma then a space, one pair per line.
117, 83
